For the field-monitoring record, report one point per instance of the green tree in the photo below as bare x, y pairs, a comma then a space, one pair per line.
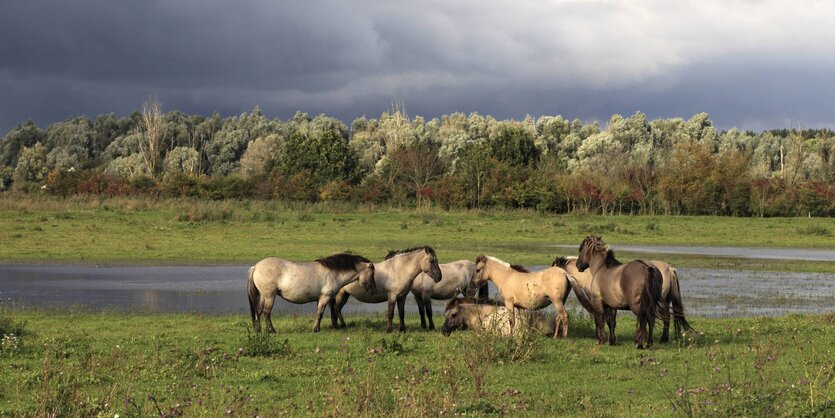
23, 135
512, 143
30, 172
325, 155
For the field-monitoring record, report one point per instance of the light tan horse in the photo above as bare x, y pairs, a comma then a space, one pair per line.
318, 281
394, 278
521, 289
589, 294
634, 286
490, 316
457, 276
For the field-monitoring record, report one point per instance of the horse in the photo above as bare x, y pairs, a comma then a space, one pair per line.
394, 277
489, 316
670, 293
634, 286
317, 281
522, 289
456, 279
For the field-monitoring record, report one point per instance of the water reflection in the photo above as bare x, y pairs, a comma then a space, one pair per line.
221, 289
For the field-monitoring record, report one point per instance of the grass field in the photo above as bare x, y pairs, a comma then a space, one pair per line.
89, 230
76, 363
81, 363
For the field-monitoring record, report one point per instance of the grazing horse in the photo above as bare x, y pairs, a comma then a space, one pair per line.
634, 286
588, 293
522, 289
489, 316
318, 281
456, 279
394, 278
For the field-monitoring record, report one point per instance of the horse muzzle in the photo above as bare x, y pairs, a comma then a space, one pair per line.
446, 331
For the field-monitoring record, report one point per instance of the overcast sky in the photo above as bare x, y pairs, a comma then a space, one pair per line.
749, 64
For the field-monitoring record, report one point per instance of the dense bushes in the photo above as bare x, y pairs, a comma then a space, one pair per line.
633, 165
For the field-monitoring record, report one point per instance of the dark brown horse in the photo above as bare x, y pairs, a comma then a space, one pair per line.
587, 289
634, 286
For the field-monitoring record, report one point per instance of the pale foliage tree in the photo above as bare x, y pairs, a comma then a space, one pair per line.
181, 160
149, 144
260, 155
127, 166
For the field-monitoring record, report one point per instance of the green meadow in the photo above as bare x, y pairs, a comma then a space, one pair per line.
77, 363
125, 230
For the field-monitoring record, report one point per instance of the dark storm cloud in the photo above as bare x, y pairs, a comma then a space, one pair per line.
749, 64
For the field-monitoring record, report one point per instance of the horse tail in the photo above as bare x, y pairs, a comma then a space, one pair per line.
680, 321
651, 295
253, 293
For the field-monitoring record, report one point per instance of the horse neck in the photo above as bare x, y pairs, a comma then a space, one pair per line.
405, 265
345, 277
597, 263
500, 279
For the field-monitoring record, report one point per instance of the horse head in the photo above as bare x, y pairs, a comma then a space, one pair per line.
366, 278
430, 266
588, 247
480, 277
453, 318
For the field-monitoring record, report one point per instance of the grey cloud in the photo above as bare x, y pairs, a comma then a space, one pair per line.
579, 59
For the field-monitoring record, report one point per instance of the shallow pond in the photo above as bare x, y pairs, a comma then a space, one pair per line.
221, 289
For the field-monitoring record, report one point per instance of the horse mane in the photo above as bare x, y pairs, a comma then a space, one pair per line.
428, 249
611, 261
597, 243
561, 262
518, 267
343, 262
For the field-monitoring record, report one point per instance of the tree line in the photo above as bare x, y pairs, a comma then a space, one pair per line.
629, 166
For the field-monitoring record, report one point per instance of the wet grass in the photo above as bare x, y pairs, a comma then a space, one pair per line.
78, 363
87, 230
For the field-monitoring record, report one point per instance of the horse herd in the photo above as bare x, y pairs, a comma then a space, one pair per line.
600, 282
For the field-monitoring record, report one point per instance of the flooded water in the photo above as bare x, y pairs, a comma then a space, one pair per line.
737, 252
221, 289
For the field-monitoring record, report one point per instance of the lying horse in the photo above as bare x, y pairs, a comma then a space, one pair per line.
634, 286
589, 294
491, 317
318, 281
522, 289
456, 279
393, 278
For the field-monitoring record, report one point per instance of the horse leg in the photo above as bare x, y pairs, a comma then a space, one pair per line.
611, 316
320, 310
339, 302
267, 311
664, 312
600, 327
428, 309
561, 320
401, 306
511, 312
390, 314
334, 322
421, 309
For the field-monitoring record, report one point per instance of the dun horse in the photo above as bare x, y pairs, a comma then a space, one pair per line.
456, 278
522, 289
634, 286
318, 281
394, 278
489, 316
589, 293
